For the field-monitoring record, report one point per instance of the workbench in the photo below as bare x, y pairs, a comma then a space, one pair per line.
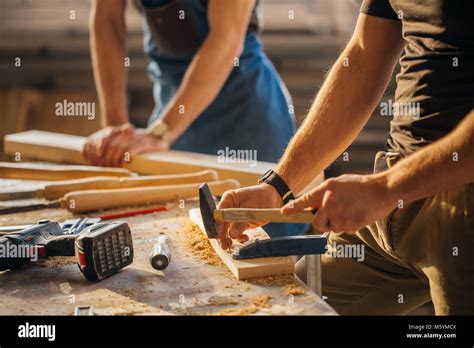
187, 287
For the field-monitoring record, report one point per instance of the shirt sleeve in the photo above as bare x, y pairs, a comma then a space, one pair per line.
378, 8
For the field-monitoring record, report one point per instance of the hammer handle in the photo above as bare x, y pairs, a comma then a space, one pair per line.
29, 171
59, 189
261, 215
90, 200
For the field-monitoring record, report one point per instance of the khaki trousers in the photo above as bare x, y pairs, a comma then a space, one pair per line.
421, 251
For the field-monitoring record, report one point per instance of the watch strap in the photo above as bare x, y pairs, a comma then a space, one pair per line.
273, 179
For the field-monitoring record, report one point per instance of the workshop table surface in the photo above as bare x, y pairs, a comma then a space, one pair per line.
188, 286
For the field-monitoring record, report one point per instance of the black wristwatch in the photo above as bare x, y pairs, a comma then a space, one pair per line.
272, 178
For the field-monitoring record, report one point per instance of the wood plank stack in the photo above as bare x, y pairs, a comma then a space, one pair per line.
63, 148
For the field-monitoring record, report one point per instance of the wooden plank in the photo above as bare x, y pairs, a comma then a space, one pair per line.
92, 200
63, 148
35, 171
247, 269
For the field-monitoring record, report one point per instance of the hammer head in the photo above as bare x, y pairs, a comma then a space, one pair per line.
207, 206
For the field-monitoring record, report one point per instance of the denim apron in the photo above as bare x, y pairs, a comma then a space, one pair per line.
251, 112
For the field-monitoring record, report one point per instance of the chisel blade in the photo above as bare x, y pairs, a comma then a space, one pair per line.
14, 195
29, 207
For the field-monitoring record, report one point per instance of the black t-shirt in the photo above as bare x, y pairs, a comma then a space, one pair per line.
435, 85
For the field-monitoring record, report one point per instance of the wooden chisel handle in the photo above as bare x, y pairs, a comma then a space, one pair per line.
31, 171
263, 215
59, 189
82, 201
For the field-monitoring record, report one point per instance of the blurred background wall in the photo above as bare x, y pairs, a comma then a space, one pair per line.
51, 38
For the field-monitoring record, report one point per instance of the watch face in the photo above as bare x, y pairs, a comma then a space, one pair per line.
160, 129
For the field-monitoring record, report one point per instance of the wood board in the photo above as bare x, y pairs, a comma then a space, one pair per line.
252, 268
35, 171
65, 148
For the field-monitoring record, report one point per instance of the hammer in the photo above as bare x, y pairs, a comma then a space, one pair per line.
311, 246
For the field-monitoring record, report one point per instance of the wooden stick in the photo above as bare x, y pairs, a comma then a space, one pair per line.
33, 171
60, 188
263, 215
90, 200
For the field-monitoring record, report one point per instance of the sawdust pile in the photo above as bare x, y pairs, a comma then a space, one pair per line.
294, 290
262, 301
55, 262
276, 280
258, 302
237, 311
289, 284
198, 243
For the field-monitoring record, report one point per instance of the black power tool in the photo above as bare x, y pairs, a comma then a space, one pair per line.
101, 249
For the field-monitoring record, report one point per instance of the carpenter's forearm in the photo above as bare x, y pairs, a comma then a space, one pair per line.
342, 107
107, 38
443, 165
345, 102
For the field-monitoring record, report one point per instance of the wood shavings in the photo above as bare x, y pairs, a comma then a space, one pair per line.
290, 286
277, 280
262, 301
294, 290
56, 261
258, 302
198, 243
237, 311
